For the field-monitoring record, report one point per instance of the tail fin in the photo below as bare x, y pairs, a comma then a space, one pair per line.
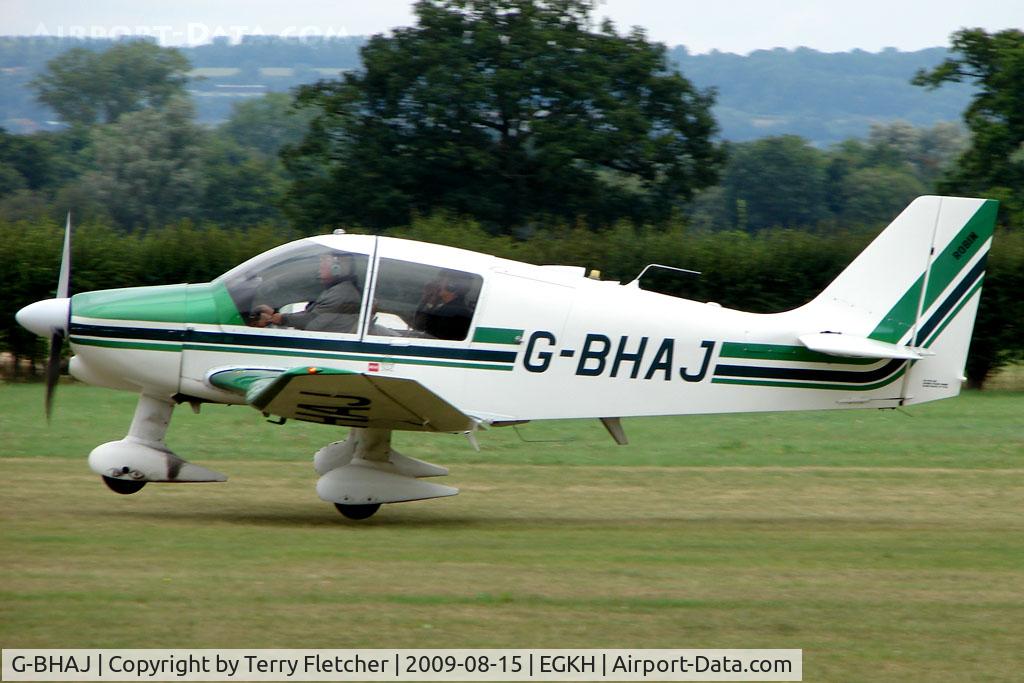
917, 285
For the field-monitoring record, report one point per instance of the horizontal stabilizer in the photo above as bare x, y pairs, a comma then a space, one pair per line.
352, 399
851, 346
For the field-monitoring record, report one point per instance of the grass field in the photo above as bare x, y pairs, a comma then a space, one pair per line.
886, 546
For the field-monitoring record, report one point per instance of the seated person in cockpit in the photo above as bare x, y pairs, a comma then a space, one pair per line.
335, 309
443, 312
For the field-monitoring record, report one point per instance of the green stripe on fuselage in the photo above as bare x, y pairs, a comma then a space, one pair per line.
811, 385
497, 335
787, 353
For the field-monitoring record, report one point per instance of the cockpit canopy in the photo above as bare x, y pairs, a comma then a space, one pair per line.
308, 285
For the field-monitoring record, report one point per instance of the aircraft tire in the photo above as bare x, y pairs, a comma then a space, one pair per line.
358, 511
123, 486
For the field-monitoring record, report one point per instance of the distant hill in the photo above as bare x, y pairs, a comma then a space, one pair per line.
823, 97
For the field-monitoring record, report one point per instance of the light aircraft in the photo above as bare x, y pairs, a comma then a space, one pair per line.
378, 334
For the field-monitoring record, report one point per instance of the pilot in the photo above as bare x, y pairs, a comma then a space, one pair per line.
335, 309
443, 313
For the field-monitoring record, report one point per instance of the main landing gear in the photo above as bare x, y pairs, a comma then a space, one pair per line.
363, 471
358, 511
357, 475
123, 486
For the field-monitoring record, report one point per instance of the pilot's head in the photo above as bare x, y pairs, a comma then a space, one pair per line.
335, 268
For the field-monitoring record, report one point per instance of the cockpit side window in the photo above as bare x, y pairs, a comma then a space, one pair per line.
417, 300
309, 287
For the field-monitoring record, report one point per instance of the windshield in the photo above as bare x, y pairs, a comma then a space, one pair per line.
303, 285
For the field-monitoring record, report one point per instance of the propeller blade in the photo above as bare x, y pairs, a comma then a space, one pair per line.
53, 369
64, 282
57, 338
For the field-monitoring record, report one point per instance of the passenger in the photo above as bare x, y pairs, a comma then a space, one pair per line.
335, 309
443, 312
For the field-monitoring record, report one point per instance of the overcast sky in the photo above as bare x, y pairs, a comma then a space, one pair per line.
730, 26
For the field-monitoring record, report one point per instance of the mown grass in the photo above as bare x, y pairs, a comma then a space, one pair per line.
887, 547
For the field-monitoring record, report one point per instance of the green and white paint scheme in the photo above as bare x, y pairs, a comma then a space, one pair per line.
543, 342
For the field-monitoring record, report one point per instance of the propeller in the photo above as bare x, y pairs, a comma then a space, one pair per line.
58, 333
53, 369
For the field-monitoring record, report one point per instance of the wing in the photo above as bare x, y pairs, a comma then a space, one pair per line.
349, 399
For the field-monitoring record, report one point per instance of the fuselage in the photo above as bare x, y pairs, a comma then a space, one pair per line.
541, 341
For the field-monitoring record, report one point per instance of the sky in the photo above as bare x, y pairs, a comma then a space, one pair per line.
739, 26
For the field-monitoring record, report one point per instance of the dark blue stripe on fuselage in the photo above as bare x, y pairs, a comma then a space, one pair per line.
843, 376
301, 343
148, 333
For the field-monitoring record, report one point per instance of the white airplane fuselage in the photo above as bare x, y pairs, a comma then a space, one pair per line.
545, 342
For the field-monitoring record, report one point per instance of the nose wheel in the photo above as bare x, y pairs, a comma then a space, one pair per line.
125, 486
358, 511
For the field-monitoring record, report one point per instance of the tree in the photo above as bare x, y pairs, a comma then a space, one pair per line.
870, 181
937, 149
26, 161
241, 186
42, 160
148, 166
875, 195
503, 110
993, 165
924, 152
775, 182
85, 87
28, 261
267, 123
999, 330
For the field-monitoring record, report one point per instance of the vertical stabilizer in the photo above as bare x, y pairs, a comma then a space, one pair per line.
917, 285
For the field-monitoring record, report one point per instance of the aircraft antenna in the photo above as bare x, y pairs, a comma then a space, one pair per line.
658, 265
